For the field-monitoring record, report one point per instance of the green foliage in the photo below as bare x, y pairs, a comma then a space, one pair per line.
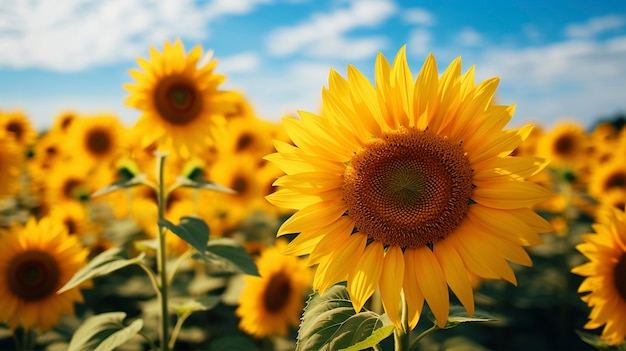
229, 256
121, 184
103, 264
458, 316
330, 323
599, 344
104, 332
193, 230
184, 305
203, 184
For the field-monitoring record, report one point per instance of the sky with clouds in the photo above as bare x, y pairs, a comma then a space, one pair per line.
557, 60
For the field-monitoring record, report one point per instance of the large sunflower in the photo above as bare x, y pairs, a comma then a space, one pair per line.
408, 186
605, 275
273, 302
180, 101
37, 260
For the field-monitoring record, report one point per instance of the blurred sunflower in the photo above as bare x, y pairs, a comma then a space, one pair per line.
37, 260
68, 184
19, 127
181, 103
73, 216
605, 275
607, 177
408, 187
11, 161
64, 121
247, 136
564, 145
96, 139
272, 303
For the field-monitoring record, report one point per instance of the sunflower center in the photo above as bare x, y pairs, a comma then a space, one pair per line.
240, 184
98, 141
74, 189
409, 188
619, 276
71, 225
277, 292
17, 129
177, 100
565, 145
244, 141
33, 275
616, 180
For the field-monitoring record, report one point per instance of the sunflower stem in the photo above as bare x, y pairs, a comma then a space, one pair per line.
162, 254
422, 335
402, 335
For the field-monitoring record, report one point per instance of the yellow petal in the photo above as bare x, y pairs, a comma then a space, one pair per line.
337, 233
456, 273
509, 194
336, 266
432, 283
412, 293
363, 279
391, 281
315, 216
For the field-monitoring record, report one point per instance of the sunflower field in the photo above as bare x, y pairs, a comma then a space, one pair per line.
403, 215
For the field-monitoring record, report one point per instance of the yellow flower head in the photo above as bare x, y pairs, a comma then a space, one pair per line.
17, 125
96, 139
273, 302
179, 98
605, 274
408, 186
37, 260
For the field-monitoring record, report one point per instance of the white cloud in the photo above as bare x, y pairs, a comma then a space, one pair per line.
322, 33
83, 33
418, 16
419, 41
218, 8
584, 79
469, 37
595, 26
240, 63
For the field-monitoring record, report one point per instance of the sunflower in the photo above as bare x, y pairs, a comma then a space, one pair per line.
37, 260
181, 103
564, 145
608, 176
247, 135
74, 216
18, 126
273, 302
605, 275
96, 139
68, 183
64, 121
11, 161
408, 186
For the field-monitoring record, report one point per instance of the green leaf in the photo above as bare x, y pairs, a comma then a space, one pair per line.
229, 256
183, 305
104, 332
330, 323
203, 184
121, 184
191, 229
108, 261
600, 344
458, 315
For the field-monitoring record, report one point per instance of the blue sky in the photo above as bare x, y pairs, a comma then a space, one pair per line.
558, 60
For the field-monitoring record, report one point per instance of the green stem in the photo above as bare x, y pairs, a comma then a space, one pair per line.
148, 340
162, 254
422, 335
178, 263
28, 339
179, 324
152, 277
402, 335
